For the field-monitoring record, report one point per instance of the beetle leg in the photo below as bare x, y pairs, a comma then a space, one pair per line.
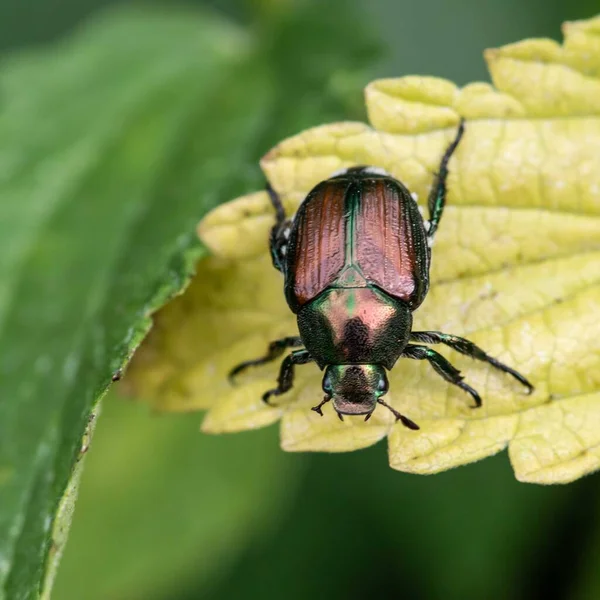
280, 232
277, 204
437, 196
285, 381
442, 367
468, 348
275, 350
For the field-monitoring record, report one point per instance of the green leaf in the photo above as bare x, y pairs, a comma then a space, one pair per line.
109, 154
182, 504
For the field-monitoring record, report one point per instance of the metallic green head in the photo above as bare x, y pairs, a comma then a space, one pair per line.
354, 389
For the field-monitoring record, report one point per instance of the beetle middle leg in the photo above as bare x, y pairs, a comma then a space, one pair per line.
285, 381
467, 348
280, 232
275, 350
442, 366
437, 196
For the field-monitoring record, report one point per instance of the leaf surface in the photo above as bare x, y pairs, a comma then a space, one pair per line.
516, 268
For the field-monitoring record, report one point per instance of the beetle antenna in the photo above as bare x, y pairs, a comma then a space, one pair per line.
317, 409
399, 417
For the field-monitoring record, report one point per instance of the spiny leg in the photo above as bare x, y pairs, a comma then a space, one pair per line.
277, 205
280, 232
441, 366
437, 196
286, 373
469, 349
275, 350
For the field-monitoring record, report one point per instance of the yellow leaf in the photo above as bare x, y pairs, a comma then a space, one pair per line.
516, 268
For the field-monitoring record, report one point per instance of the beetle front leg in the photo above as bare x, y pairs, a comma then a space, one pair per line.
442, 367
468, 348
280, 232
275, 350
437, 196
285, 381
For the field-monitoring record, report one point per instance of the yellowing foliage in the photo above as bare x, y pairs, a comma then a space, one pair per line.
516, 268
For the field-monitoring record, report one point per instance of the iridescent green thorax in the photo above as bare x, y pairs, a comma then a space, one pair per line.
355, 326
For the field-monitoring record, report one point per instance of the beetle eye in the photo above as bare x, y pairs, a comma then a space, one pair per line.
382, 386
327, 388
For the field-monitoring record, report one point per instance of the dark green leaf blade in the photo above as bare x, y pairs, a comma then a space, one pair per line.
89, 134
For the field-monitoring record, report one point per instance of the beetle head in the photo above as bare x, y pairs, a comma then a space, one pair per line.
354, 389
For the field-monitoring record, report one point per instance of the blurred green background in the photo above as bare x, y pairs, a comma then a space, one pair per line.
166, 513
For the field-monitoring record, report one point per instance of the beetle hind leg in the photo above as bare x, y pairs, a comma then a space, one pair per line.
437, 196
275, 350
285, 381
277, 204
280, 232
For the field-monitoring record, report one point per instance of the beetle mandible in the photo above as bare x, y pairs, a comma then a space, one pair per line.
355, 260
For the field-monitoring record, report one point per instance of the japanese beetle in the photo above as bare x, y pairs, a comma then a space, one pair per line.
355, 259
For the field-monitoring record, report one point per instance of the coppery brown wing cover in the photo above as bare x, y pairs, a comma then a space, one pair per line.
317, 243
353, 231
390, 241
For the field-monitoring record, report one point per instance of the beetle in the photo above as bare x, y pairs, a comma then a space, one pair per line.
355, 260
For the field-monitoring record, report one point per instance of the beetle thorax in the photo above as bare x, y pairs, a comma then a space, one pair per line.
355, 326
